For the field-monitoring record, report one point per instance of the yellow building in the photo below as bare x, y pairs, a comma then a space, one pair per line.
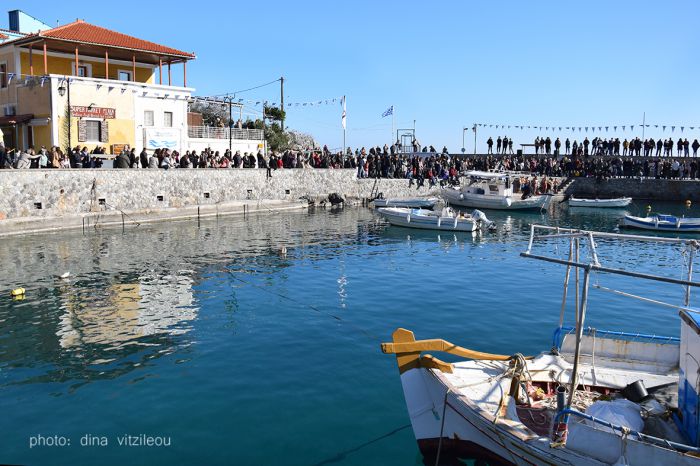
81, 84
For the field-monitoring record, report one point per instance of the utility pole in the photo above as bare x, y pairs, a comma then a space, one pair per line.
282, 99
474, 128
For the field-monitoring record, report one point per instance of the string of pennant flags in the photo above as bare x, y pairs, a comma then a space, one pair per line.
586, 128
316, 103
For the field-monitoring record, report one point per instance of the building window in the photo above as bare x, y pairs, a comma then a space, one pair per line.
148, 118
124, 75
3, 75
168, 119
82, 71
92, 130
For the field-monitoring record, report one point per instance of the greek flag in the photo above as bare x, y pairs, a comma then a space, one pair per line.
389, 111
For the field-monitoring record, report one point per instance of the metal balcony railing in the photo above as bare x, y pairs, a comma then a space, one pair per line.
213, 132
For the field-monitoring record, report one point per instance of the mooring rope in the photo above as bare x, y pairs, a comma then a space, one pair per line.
365, 332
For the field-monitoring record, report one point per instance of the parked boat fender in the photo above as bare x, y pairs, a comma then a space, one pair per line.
17, 292
408, 218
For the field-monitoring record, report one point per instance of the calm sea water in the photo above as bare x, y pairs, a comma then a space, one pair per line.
216, 341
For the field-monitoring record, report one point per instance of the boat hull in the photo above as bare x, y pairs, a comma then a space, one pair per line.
682, 225
600, 203
480, 201
405, 218
407, 203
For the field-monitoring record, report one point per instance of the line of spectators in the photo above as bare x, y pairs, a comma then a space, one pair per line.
601, 146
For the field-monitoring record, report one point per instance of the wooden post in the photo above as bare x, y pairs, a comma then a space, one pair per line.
184, 72
46, 65
133, 64
169, 76
31, 63
76, 61
160, 71
106, 64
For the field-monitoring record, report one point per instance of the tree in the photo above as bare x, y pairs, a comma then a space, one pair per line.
212, 112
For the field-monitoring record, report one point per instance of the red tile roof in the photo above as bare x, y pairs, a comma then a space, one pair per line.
3, 36
82, 32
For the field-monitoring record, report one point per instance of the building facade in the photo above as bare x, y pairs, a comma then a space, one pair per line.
83, 85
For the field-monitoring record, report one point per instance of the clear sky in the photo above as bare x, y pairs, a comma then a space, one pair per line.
444, 64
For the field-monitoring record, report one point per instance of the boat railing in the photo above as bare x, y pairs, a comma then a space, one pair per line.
565, 413
561, 332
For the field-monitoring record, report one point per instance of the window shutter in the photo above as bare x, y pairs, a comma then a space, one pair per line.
82, 131
104, 131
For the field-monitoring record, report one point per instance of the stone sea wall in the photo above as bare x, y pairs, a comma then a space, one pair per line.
651, 189
32, 200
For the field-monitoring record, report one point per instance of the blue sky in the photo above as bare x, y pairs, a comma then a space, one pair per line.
444, 64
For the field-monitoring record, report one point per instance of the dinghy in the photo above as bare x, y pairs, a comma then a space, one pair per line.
410, 203
660, 222
606, 203
595, 398
447, 219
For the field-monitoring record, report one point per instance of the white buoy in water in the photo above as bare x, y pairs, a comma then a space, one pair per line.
63, 276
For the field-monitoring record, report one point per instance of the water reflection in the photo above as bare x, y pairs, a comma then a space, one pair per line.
133, 297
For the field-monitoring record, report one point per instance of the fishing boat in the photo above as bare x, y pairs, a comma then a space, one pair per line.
447, 219
604, 203
660, 222
492, 190
410, 203
595, 398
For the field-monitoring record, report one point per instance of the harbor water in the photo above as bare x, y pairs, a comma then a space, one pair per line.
256, 340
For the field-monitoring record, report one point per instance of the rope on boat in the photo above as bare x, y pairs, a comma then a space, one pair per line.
442, 426
642, 298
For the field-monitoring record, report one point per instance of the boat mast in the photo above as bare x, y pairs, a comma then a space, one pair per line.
692, 245
580, 318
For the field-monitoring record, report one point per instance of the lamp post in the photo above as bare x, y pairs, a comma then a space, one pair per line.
64, 88
463, 149
230, 121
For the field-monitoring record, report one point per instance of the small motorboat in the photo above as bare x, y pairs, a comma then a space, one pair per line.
409, 203
493, 190
447, 219
606, 203
661, 222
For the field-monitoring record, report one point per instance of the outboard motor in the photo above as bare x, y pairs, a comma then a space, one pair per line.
483, 220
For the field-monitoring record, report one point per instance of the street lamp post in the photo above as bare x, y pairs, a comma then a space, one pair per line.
64, 88
463, 149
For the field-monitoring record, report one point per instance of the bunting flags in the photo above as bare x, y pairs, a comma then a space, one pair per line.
593, 129
388, 111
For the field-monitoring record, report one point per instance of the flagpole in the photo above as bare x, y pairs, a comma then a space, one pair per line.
392, 126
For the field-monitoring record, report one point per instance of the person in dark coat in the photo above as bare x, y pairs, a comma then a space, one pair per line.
143, 157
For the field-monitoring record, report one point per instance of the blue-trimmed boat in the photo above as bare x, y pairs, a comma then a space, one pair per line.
595, 398
661, 222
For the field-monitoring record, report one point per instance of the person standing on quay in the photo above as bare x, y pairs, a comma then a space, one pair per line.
498, 145
696, 146
489, 143
567, 146
686, 147
510, 145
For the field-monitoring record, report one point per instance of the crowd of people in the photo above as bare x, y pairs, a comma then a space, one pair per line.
601, 146
423, 165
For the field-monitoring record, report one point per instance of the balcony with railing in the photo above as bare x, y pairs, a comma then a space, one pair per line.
214, 132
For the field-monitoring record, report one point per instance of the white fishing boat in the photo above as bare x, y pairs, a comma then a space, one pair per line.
598, 203
492, 190
410, 203
596, 398
447, 219
660, 222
